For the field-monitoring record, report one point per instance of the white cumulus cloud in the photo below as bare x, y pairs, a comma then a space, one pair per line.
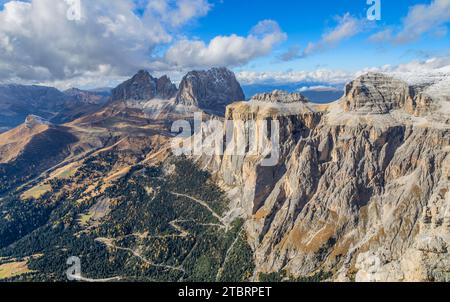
421, 19
39, 43
414, 72
276, 77
176, 13
230, 50
424, 18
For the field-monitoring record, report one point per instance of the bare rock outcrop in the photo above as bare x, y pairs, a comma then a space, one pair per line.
279, 96
364, 197
377, 93
34, 120
419, 104
144, 87
210, 90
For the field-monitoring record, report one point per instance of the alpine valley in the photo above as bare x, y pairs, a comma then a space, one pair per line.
361, 190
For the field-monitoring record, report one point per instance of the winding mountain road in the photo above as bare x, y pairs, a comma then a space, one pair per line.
110, 243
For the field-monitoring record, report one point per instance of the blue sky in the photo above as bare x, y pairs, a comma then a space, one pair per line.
262, 41
306, 21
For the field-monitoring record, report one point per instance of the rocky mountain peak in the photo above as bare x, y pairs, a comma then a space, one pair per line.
143, 86
210, 90
375, 93
165, 88
378, 93
280, 96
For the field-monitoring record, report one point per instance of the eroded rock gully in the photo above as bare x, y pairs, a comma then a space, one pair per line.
363, 196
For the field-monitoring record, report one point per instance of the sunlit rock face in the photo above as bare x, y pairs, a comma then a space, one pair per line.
210, 90
361, 188
375, 93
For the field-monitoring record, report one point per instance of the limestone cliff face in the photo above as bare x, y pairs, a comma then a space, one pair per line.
377, 93
363, 196
210, 90
279, 96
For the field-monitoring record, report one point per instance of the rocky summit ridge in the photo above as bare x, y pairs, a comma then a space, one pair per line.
211, 90
279, 96
208, 90
143, 86
378, 93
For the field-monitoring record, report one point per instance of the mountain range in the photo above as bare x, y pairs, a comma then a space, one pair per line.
360, 190
316, 92
19, 101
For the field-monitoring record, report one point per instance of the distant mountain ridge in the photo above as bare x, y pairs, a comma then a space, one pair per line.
88, 96
209, 90
19, 101
312, 90
359, 191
